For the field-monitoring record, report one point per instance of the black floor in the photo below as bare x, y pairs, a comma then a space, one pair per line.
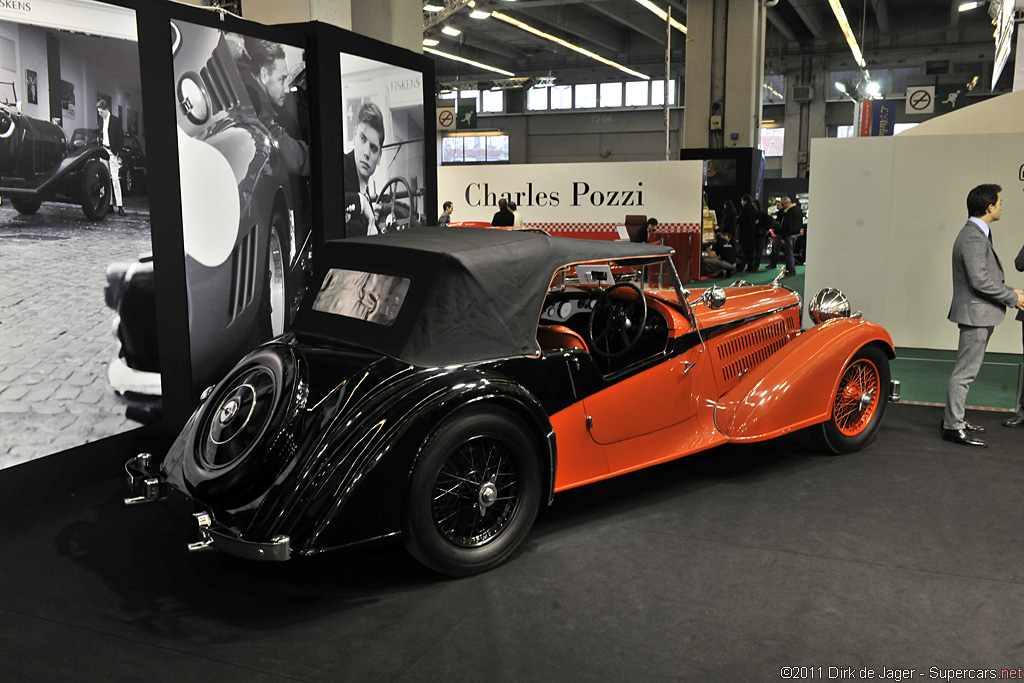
724, 566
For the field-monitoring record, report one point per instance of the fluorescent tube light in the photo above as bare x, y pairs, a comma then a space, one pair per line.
449, 31
844, 25
467, 61
479, 14
967, 6
547, 36
662, 14
432, 8
431, 42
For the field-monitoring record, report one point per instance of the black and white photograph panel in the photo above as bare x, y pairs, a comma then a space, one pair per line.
72, 203
243, 147
384, 146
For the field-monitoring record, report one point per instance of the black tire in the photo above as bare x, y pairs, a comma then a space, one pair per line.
94, 190
855, 414
26, 206
474, 493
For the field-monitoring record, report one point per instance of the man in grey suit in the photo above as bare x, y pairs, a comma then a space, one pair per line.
980, 300
1018, 419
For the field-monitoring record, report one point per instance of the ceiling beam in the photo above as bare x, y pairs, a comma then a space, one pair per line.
881, 8
639, 22
571, 20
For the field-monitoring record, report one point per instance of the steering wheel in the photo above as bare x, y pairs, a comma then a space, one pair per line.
617, 323
388, 218
6, 123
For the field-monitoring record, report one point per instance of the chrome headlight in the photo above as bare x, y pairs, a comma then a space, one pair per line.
827, 304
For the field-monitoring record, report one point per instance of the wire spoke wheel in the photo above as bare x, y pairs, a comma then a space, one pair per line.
858, 403
857, 398
474, 492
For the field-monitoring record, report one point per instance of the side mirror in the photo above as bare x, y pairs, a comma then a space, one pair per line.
713, 297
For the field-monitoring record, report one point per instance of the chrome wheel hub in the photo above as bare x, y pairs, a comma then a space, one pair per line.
487, 496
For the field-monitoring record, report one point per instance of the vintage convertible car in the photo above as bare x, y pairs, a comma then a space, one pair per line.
36, 164
441, 384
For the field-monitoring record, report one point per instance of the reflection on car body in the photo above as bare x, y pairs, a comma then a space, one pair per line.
501, 380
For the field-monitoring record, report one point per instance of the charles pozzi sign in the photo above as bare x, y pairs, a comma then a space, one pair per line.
576, 193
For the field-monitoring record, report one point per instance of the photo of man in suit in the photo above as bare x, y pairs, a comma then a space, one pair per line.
980, 300
112, 139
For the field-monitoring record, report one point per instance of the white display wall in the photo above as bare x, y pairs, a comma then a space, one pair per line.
886, 213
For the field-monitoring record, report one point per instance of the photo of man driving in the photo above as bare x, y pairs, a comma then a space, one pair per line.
360, 164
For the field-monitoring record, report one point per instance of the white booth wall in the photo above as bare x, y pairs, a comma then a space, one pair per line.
887, 210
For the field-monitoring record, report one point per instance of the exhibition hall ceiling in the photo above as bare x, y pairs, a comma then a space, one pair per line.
892, 33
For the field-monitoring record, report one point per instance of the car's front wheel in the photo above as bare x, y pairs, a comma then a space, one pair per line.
26, 206
858, 403
475, 492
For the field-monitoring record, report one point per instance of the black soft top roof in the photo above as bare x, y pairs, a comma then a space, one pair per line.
476, 293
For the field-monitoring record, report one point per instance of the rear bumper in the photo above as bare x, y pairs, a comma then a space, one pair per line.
148, 486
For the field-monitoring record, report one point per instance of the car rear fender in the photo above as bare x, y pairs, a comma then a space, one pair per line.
363, 469
795, 387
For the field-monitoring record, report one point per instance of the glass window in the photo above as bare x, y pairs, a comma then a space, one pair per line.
900, 76
459, 149
611, 94
497, 148
493, 101
451, 151
772, 140
561, 96
537, 99
844, 132
773, 88
469, 94
900, 127
658, 93
637, 93
373, 297
586, 96
448, 95
475, 149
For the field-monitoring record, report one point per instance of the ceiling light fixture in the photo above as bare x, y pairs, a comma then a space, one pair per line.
844, 25
967, 6
547, 36
432, 8
662, 14
479, 14
431, 42
450, 31
467, 61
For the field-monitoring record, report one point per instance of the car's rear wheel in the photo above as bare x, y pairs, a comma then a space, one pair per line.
94, 194
858, 404
26, 206
475, 492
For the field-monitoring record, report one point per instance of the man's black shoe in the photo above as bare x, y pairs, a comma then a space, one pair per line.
962, 436
973, 427
1015, 421
120, 211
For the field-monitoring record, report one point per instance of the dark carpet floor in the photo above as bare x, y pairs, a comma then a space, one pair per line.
724, 566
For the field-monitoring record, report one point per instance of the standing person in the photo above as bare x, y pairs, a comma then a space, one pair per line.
789, 228
747, 223
518, 222
728, 222
359, 165
766, 226
112, 139
980, 300
446, 217
503, 218
1018, 419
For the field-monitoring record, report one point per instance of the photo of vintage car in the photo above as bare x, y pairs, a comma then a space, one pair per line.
133, 159
441, 385
37, 165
